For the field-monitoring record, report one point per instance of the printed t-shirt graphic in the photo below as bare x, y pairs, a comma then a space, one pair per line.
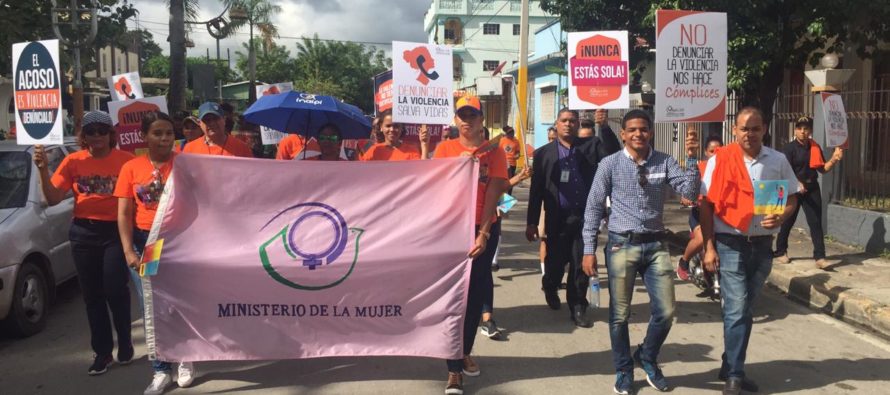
382, 151
511, 149
492, 164
140, 179
93, 180
232, 147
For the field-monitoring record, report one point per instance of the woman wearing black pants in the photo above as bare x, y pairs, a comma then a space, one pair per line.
95, 244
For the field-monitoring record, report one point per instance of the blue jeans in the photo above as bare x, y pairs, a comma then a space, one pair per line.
744, 267
653, 262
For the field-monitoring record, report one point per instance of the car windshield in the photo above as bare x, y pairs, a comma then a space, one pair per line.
15, 174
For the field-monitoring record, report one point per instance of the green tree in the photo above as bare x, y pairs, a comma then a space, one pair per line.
159, 67
765, 37
258, 14
342, 69
273, 63
22, 21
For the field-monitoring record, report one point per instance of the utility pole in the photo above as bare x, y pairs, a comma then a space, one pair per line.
177, 56
522, 99
78, 18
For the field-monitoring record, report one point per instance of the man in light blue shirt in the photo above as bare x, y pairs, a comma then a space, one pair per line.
636, 179
744, 255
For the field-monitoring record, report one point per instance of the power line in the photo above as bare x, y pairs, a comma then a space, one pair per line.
284, 37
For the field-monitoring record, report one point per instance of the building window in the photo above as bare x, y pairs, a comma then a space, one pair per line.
530, 125
489, 65
453, 31
548, 104
457, 65
491, 29
516, 29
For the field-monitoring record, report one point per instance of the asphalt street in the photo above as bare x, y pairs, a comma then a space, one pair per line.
793, 350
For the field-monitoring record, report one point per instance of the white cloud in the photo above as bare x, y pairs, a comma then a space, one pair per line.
354, 20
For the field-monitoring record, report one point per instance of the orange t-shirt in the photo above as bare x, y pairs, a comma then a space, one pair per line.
292, 145
382, 151
137, 181
511, 149
232, 147
492, 164
92, 180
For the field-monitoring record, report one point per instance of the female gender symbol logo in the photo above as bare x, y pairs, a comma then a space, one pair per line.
299, 240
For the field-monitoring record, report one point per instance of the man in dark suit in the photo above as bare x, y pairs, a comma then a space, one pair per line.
562, 173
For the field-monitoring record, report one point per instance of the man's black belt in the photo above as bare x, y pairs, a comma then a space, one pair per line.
642, 238
746, 238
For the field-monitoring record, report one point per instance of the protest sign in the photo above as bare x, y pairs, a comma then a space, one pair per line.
835, 120
598, 72
127, 118
125, 86
383, 92
410, 131
307, 270
37, 88
690, 66
770, 197
267, 135
422, 84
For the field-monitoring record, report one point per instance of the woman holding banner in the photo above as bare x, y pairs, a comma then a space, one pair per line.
492, 183
139, 187
393, 148
95, 245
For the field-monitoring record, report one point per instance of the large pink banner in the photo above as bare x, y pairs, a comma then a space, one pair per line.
281, 259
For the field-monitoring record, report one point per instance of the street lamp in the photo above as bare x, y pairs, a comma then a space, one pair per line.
80, 16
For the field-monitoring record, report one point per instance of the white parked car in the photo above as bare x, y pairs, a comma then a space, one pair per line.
35, 254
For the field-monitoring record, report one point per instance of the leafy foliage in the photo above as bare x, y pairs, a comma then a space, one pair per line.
764, 37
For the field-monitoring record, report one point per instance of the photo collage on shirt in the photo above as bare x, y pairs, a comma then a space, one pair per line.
150, 193
95, 184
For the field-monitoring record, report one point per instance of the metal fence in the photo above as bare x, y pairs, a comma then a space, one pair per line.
865, 180
865, 170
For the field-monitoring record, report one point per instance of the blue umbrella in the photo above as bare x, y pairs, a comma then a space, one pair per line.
305, 113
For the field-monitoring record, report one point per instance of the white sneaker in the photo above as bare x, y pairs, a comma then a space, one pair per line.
186, 375
159, 383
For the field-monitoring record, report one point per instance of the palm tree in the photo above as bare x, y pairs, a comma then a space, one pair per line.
180, 12
258, 13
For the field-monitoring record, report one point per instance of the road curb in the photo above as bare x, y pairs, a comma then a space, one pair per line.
816, 291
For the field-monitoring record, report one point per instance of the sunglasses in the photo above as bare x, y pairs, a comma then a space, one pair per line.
88, 131
642, 175
332, 139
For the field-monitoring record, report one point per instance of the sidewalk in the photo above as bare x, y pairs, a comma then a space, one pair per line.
855, 288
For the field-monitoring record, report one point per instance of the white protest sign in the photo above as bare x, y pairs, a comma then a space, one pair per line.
835, 120
272, 136
125, 86
37, 88
690, 66
422, 83
598, 71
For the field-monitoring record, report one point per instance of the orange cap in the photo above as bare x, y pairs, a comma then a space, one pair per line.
469, 101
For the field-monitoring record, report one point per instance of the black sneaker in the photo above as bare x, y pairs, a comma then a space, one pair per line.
490, 329
746, 384
125, 353
100, 365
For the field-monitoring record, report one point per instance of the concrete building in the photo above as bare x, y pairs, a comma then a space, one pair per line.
484, 34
